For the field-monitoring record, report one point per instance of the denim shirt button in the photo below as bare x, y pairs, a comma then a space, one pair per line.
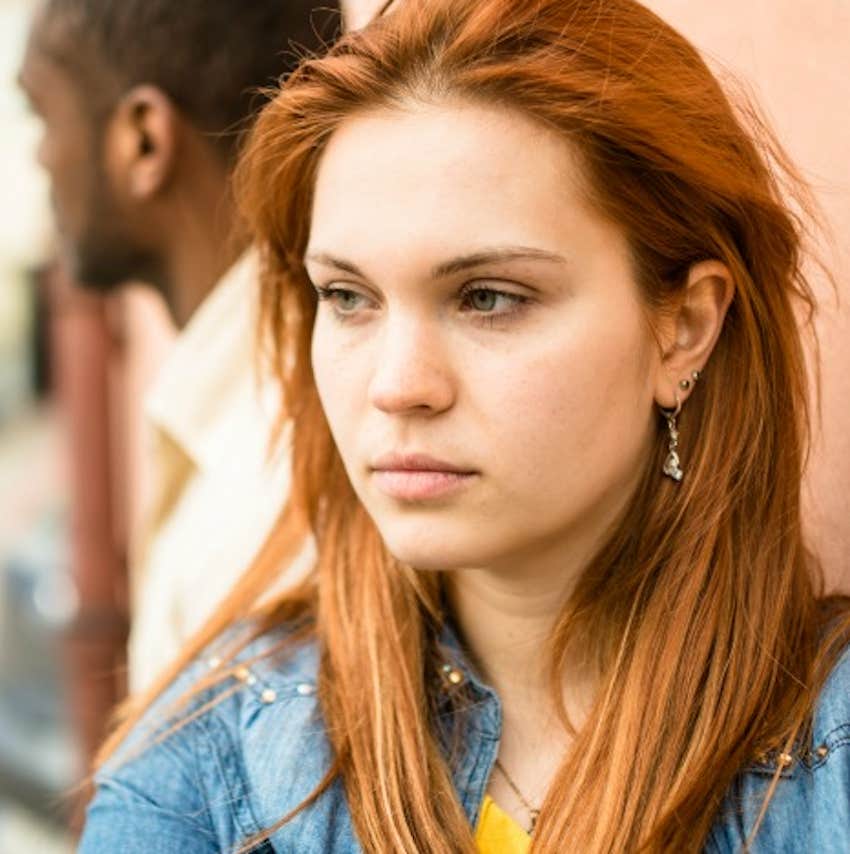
305, 689
452, 675
268, 696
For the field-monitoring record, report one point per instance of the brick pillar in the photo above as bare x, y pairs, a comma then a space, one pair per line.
83, 351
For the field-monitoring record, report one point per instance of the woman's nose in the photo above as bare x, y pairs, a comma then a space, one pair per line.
412, 373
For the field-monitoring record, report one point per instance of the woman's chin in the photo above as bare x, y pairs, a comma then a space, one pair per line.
446, 540
432, 553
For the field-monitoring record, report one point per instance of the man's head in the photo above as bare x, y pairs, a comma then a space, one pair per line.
137, 97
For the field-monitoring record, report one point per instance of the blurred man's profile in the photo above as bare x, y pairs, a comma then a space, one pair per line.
144, 104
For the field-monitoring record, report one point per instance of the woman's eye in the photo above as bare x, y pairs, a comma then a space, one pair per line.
489, 301
344, 301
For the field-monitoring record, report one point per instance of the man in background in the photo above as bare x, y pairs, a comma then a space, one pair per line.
144, 103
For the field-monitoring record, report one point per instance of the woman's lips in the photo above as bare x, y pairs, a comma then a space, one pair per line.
418, 485
418, 477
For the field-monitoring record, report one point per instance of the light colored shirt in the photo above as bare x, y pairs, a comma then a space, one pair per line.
215, 491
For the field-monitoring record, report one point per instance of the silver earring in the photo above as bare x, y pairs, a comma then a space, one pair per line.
672, 465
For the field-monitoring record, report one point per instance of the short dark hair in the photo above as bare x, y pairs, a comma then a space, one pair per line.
209, 56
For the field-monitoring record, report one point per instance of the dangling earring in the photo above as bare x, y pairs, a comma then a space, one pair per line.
672, 465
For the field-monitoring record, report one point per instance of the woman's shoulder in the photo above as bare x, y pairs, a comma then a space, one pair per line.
832, 711
283, 659
239, 669
234, 738
810, 807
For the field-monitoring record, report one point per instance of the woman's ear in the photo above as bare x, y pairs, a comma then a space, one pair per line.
692, 329
141, 143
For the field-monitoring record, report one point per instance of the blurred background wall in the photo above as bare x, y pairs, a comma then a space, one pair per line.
37, 746
74, 368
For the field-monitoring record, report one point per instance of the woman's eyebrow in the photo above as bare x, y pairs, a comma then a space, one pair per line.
327, 260
454, 265
490, 256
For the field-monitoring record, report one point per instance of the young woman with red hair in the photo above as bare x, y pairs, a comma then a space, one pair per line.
535, 296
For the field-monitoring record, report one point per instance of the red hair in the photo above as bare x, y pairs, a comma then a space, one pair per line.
705, 586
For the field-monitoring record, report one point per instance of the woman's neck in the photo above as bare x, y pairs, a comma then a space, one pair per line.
505, 624
506, 614
506, 611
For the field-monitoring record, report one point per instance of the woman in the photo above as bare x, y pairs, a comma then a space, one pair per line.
532, 288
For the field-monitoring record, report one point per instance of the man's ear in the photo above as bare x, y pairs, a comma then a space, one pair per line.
690, 332
141, 143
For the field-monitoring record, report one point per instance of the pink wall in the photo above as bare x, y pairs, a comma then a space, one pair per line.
795, 54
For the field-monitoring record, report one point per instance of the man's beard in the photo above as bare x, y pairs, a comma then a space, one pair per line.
104, 261
106, 255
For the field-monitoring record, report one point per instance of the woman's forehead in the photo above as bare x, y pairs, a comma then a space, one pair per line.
455, 170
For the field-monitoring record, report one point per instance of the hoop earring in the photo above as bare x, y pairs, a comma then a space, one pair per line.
672, 465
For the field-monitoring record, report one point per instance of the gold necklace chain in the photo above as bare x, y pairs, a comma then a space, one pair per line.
533, 812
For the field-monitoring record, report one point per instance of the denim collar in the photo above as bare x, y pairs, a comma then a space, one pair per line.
468, 719
457, 678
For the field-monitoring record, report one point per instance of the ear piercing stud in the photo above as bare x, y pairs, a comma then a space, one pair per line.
686, 384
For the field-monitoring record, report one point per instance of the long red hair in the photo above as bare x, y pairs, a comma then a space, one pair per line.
706, 586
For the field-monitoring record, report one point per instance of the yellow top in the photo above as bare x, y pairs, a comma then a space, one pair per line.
498, 833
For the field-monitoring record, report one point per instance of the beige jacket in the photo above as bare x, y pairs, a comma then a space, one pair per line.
215, 490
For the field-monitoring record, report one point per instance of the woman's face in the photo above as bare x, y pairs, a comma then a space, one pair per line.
480, 348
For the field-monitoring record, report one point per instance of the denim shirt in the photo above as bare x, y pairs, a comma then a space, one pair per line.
242, 764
